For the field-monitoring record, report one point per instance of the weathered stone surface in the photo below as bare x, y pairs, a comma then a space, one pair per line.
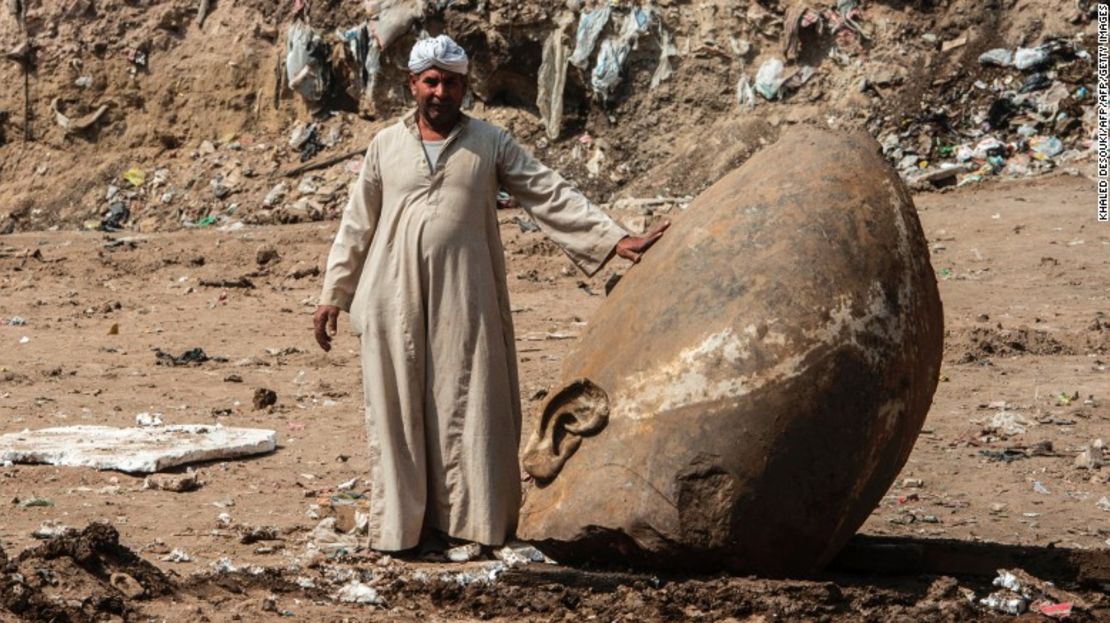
751, 389
136, 450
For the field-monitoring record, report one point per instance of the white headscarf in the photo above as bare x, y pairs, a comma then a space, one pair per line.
442, 52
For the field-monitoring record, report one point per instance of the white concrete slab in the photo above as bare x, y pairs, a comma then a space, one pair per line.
143, 450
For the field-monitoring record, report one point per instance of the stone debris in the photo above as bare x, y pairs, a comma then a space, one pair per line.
134, 450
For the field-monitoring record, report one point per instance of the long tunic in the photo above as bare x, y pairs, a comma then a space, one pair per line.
418, 262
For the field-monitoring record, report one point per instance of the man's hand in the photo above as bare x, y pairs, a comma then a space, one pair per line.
324, 322
633, 247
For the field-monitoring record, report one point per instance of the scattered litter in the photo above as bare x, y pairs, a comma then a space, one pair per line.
590, 26
141, 450
356, 592
1040, 488
190, 357
768, 80
1030, 58
999, 57
118, 214
177, 555
464, 553
148, 419
49, 529
326, 538
135, 176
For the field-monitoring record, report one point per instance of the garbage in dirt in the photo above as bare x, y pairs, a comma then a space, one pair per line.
464, 553
590, 25
517, 553
307, 68
117, 216
135, 176
49, 529
358, 593
1005, 424
15, 321
1092, 456
327, 538
768, 80
193, 356
276, 194
552, 78
1022, 592
75, 125
134, 450
148, 419
177, 555
999, 57
614, 52
175, 483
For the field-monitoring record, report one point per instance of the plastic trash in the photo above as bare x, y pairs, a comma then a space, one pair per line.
745, 95
551, 80
118, 214
768, 80
1000, 57
1046, 147
667, 49
614, 52
1030, 58
394, 18
589, 29
987, 147
135, 176
306, 62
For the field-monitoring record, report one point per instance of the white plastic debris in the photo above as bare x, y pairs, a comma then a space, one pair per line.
1029, 58
177, 555
136, 450
464, 553
768, 80
999, 57
356, 592
148, 419
1006, 603
589, 29
50, 529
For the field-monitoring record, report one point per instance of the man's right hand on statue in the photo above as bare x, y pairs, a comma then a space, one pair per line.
324, 322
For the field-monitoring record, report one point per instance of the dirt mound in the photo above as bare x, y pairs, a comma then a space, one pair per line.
983, 343
79, 576
165, 120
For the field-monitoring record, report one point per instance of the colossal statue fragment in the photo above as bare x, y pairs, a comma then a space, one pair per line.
748, 392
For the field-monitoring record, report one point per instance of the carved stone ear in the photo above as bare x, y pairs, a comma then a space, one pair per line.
579, 410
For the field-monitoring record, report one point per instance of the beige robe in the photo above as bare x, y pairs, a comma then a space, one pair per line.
419, 264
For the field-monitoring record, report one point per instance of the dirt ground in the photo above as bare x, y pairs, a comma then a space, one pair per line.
1023, 268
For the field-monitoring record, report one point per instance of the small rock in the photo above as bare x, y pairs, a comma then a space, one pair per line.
913, 483
266, 254
127, 585
177, 483
264, 398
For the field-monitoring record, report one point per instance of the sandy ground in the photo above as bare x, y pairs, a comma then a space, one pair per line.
1023, 268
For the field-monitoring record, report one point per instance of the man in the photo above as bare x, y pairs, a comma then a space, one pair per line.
418, 263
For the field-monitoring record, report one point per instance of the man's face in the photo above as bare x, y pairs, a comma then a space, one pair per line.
438, 94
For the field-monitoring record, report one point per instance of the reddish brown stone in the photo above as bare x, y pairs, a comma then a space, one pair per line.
751, 389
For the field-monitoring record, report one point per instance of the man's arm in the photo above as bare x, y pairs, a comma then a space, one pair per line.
588, 235
348, 251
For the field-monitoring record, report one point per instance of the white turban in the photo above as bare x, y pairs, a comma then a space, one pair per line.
442, 52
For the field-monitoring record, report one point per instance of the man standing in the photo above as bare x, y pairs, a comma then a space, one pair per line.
418, 263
